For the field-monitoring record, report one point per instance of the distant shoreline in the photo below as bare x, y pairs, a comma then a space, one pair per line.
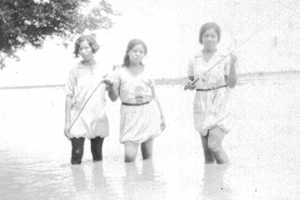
242, 77
173, 81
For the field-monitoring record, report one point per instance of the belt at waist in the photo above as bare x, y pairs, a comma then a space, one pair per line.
212, 88
135, 104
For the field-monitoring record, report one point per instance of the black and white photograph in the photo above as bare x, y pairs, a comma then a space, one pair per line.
149, 99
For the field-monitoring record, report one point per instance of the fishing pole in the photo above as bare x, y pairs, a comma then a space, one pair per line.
85, 103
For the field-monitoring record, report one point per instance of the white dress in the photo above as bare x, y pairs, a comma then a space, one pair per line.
210, 107
92, 121
139, 123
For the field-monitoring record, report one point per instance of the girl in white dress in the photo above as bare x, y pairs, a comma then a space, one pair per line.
141, 115
213, 75
85, 115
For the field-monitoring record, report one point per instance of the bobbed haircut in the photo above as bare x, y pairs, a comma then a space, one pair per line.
91, 41
207, 26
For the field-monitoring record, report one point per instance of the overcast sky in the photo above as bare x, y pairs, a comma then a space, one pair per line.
264, 34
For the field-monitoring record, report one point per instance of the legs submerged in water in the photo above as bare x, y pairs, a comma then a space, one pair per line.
214, 143
131, 150
77, 150
96, 148
146, 149
78, 147
208, 154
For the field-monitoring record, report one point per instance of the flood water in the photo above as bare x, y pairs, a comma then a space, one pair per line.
263, 147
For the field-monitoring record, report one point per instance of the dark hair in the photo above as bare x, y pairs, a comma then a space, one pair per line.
90, 39
131, 45
207, 26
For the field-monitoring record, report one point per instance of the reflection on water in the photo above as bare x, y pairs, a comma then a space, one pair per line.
214, 186
89, 182
79, 178
263, 147
145, 184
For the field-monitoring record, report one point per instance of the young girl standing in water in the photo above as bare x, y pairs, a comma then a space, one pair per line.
213, 75
141, 115
85, 102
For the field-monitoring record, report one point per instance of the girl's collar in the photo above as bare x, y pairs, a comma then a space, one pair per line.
206, 51
88, 66
213, 54
136, 70
90, 63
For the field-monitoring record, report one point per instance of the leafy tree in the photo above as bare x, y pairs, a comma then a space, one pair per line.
25, 22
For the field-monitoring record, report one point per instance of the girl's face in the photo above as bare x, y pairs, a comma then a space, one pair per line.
210, 39
85, 50
136, 54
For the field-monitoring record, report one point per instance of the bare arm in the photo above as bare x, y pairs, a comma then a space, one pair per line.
112, 85
112, 93
162, 125
190, 85
68, 105
231, 78
70, 85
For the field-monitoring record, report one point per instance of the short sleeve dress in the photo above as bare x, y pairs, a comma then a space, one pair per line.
140, 120
92, 121
210, 106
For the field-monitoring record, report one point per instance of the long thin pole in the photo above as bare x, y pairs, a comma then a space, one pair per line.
85, 103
